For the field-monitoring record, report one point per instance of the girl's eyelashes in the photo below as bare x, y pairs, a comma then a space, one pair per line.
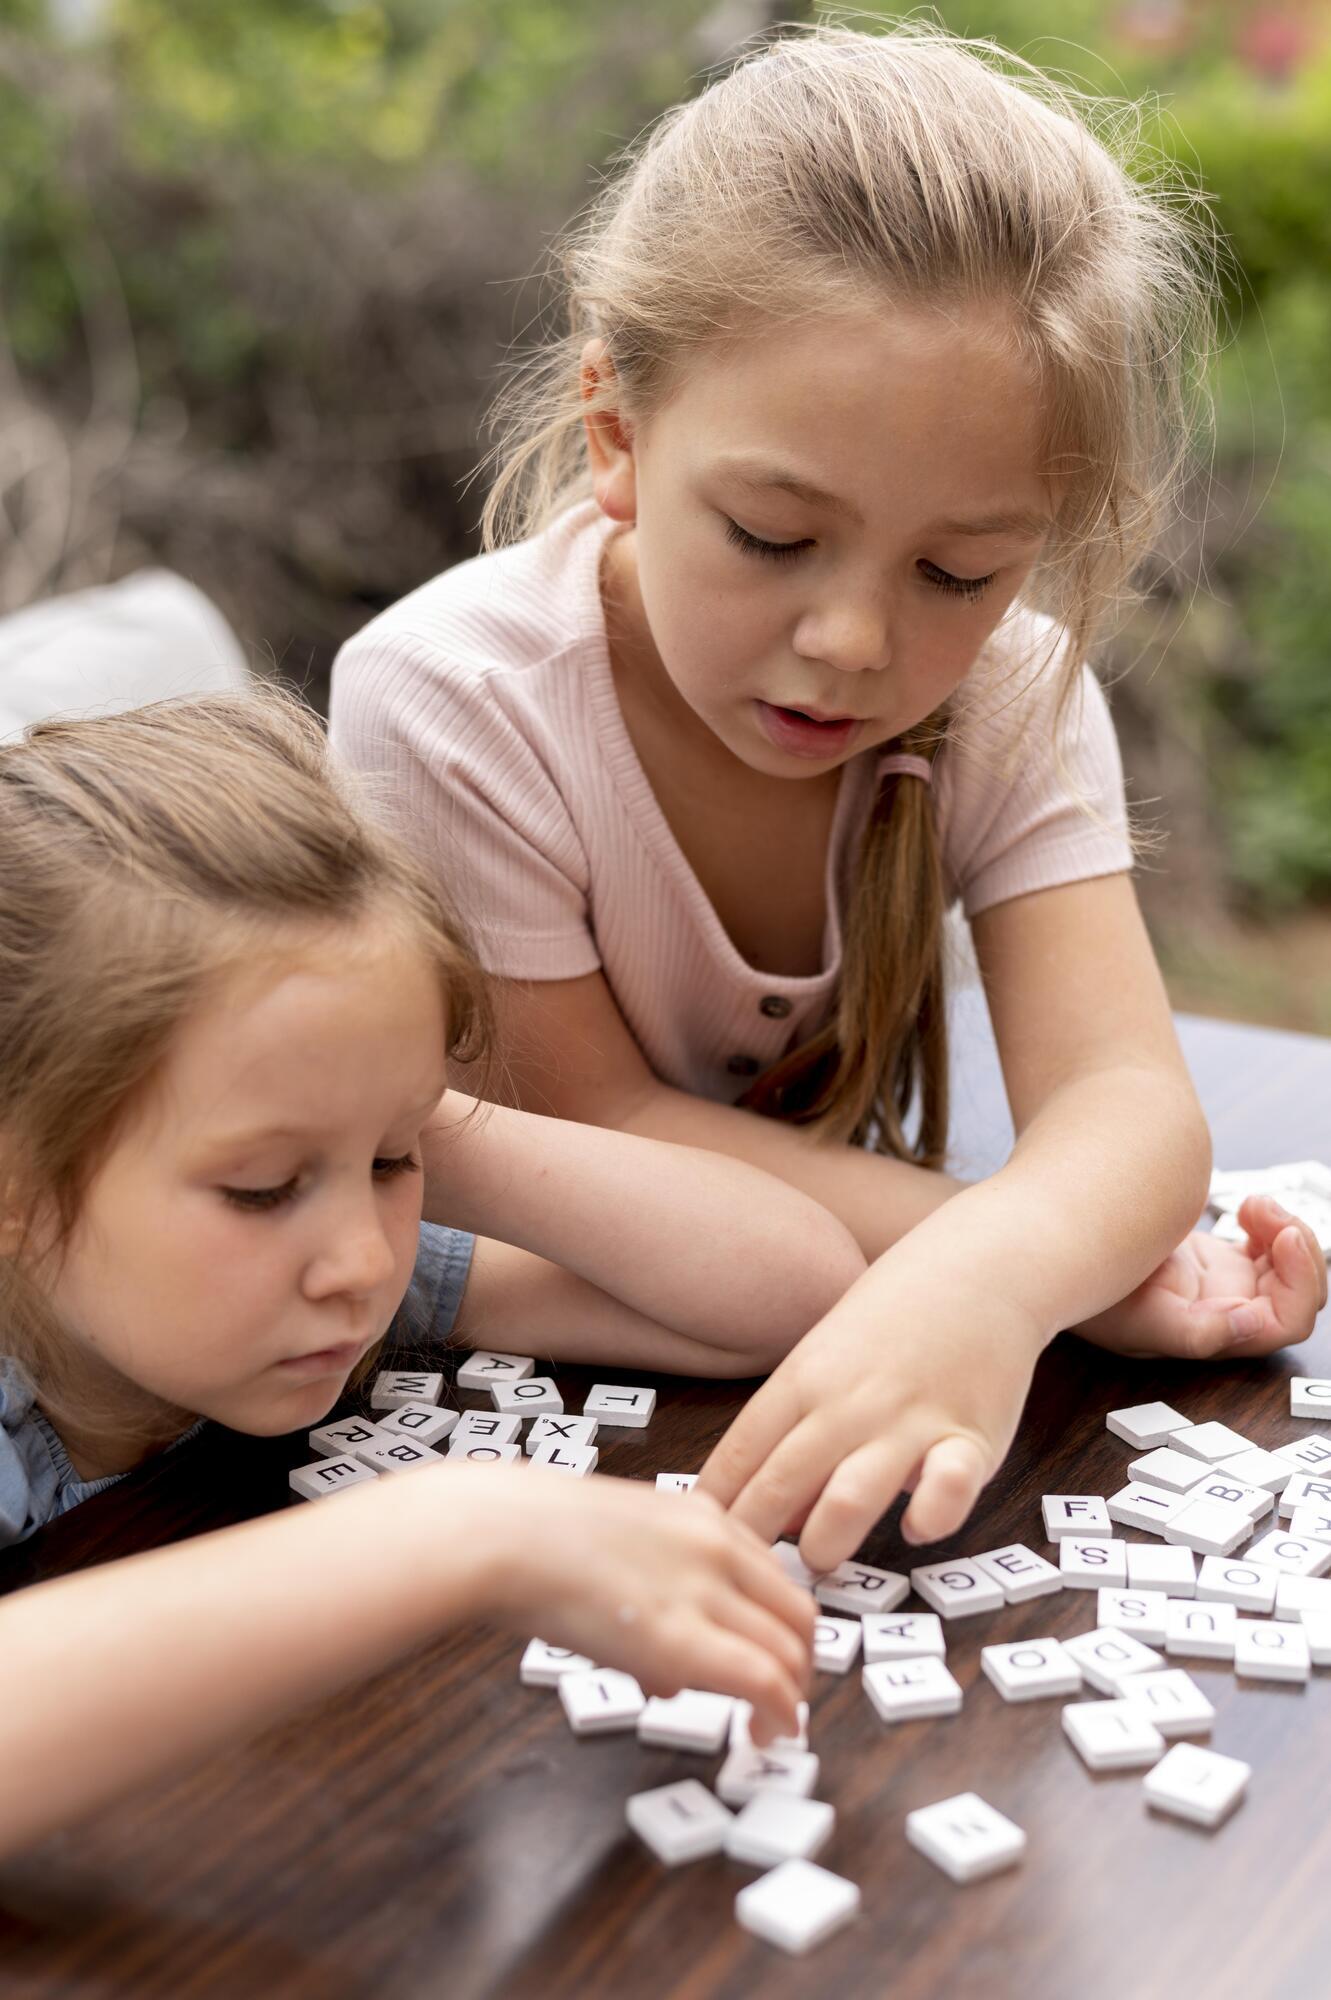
387, 1170
258, 1200
740, 538
941, 579
957, 586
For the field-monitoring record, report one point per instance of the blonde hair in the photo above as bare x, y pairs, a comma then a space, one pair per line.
833, 169
142, 855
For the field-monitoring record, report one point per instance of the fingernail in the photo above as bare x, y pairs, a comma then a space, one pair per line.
1277, 1209
1244, 1322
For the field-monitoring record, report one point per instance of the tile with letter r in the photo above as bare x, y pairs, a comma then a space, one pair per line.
345, 1438
858, 1588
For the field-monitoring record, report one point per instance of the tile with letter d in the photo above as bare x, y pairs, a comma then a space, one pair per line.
965, 1837
680, 1822
424, 1423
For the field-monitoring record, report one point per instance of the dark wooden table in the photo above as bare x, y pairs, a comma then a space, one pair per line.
440, 1832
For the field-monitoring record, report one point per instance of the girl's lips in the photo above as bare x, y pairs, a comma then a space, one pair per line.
325, 1361
801, 736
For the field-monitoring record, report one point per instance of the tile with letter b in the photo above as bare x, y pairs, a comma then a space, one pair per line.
1271, 1652
1112, 1735
481, 1370
615, 1403
905, 1690
1030, 1669
796, 1905
533, 1396
1019, 1573
328, 1475
858, 1588
392, 1388
399, 1454
957, 1589
1255, 1501
1195, 1784
776, 1827
600, 1701
965, 1837
680, 1822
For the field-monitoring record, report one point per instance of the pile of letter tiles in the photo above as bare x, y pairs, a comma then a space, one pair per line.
1193, 1591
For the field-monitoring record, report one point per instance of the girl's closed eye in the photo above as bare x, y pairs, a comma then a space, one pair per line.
941, 579
258, 1200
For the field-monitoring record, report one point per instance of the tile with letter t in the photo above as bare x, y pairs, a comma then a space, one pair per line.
328, 1475
534, 1396
1195, 1784
1234, 1580
796, 1905
394, 1388
906, 1690
1109, 1659
1086, 1565
903, 1635
1019, 1573
858, 1588
544, 1666
957, 1589
615, 1403
600, 1701
1199, 1631
1074, 1514
965, 1837
1146, 1425
836, 1644
1172, 1700
1271, 1652
424, 1423
577, 1459
1112, 1735
481, 1370
1029, 1669
690, 1720
1141, 1612
1310, 1396
680, 1822
777, 1827
554, 1429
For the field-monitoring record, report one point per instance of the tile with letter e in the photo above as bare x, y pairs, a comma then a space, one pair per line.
1312, 1454
749, 1770
1199, 1631
1303, 1489
600, 1701
836, 1644
1172, 1700
1210, 1527
1271, 1652
1173, 1471
1074, 1514
424, 1423
1141, 1612
957, 1589
680, 1822
903, 1635
1019, 1573
905, 1690
1029, 1669
1112, 1735
1198, 1785
475, 1451
778, 1827
796, 1905
553, 1429
1310, 1524
1256, 1468
1144, 1507
394, 1388
533, 1396
616, 1403
1291, 1555
1210, 1442
1155, 1566
1234, 1580
544, 1666
328, 1475
483, 1427
577, 1459
1085, 1565
1109, 1659
857, 1588
1310, 1396
481, 1370
1146, 1425
965, 1837
690, 1720
344, 1439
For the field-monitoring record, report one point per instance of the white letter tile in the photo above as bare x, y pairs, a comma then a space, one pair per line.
680, 1822
1020, 1573
691, 1720
616, 1403
836, 1644
796, 1905
965, 1837
1112, 1735
858, 1588
1029, 1669
1088, 1565
1173, 1471
904, 1690
1198, 1785
533, 1396
777, 1827
958, 1589
481, 1370
1172, 1700
600, 1701
903, 1635
1146, 1425
1109, 1659
1234, 1580
1074, 1514
1141, 1612
1271, 1652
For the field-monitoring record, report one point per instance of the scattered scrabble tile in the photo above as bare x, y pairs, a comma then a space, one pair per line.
1031, 1669
1271, 1652
1255, 1501
343, 1440
1310, 1524
1074, 1514
1107, 1659
796, 1905
615, 1403
1291, 1555
1199, 1631
748, 1771
836, 1644
534, 1395
1303, 1490
1144, 1507
680, 1822
1248, 1585
1146, 1425
859, 1588
1194, 1784
473, 1451
1296, 1596
328, 1475
552, 1429
1210, 1442
1310, 1396
394, 1388
367, 1449
484, 1368
600, 1701
904, 1690
777, 1827
1312, 1454
692, 1720
965, 1837
424, 1423
1162, 1566
1317, 1631
1019, 1573
483, 1427
1257, 1468
903, 1635
672, 1482
1172, 1700
1112, 1735
576, 1459
1211, 1527
400, 1455
1086, 1565
741, 1739
1173, 1470
544, 1666
957, 1589
1141, 1612
793, 1563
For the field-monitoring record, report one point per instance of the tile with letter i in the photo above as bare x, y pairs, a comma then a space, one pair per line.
748, 1771
1167, 1568
1303, 1490
1141, 1612
601, 1701
1271, 1652
1310, 1396
576, 1459
778, 1827
1249, 1586
965, 1837
534, 1396
1112, 1735
1199, 1631
957, 1589
1146, 1425
796, 1906
907, 1690
481, 1427
394, 1388
1172, 1700
328, 1475
1172, 1470
614, 1403
1144, 1507
544, 1666
1292, 1555
1085, 1565
1019, 1573
903, 1635
690, 1720
836, 1644
1109, 1659
344, 1439
680, 1822
1074, 1514
1198, 1785
1030, 1669
553, 1429
424, 1423
858, 1588
481, 1370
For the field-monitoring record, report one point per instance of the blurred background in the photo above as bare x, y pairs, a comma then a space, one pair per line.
261, 261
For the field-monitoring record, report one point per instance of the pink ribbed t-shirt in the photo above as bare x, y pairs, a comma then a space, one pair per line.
483, 709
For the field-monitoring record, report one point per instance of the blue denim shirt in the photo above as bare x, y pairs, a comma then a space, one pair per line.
37, 1480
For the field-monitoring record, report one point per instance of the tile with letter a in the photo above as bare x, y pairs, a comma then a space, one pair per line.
905, 1690
1028, 1669
1086, 1565
1141, 1612
616, 1403
344, 1439
1303, 1490
690, 1720
1109, 1659
1271, 1652
1211, 1527
1074, 1514
680, 1822
533, 1396
1171, 1470
1112, 1735
328, 1475
796, 1905
857, 1588
1292, 1556
577, 1459
1199, 1631
748, 1771
1210, 1442
485, 1427
957, 1589
1020, 1573
1172, 1700
1195, 1784
965, 1837
392, 1389
903, 1635
1167, 1568
424, 1423
552, 1429
778, 1827
1144, 1507
1310, 1396
481, 1370
836, 1644
1234, 1580
600, 1701
545, 1666
1146, 1425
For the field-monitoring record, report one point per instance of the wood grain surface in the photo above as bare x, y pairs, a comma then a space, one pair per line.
440, 1832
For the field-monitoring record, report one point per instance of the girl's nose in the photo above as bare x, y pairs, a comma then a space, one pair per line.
356, 1260
851, 634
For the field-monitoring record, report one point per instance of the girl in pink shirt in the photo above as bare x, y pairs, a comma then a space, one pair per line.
877, 386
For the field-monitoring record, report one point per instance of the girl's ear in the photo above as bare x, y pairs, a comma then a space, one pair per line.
609, 438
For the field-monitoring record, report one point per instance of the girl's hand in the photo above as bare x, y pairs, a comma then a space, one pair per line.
661, 1585
1209, 1299
919, 1393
